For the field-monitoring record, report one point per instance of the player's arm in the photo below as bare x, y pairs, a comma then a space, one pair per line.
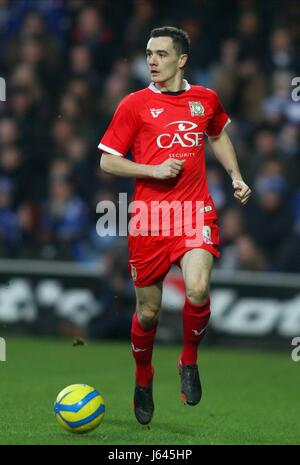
119, 166
225, 154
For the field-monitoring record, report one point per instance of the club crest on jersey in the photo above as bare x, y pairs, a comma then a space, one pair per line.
155, 112
196, 108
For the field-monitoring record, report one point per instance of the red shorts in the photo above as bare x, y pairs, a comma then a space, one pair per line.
151, 257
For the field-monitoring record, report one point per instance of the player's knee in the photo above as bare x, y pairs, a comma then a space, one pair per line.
197, 293
148, 315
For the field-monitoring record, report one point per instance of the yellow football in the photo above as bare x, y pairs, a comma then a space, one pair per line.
79, 408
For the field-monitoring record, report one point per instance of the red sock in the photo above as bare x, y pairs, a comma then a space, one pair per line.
195, 319
142, 345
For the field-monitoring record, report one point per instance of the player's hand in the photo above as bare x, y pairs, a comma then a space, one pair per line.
168, 169
241, 191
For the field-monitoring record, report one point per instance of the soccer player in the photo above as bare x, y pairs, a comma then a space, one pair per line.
164, 125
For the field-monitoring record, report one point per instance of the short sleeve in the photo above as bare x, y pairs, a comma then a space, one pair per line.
219, 119
122, 129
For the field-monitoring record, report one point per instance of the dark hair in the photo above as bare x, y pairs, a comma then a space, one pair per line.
180, 38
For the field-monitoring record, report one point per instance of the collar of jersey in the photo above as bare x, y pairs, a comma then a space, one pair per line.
157, 91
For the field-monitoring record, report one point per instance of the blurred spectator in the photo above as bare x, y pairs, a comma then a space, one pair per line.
239, 250
265, 148
140, 24
201, 49
82, 66
223, 74
71, 108
252, 88
92, 31
10, 237
288, 139
231, 227
249, 255
265, 144
115, 88
288, 256
269, 215
9, 133
82, 168
64, 221
63, 132
13, 13
274, 104
60, 168
12, 168
216, 187
34, 45
24, 76
249, 36
281, 53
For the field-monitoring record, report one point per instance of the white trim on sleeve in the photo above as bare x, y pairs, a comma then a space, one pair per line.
109, 150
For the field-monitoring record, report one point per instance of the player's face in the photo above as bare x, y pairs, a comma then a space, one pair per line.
163, 60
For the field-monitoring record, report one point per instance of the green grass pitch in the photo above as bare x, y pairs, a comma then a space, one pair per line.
249, 397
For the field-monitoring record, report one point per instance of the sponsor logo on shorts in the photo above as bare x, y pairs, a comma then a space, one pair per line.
207, 234
133, 273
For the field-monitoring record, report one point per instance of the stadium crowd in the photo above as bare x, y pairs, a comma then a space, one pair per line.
67, 64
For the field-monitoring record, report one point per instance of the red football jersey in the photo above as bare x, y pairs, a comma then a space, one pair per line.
156, 126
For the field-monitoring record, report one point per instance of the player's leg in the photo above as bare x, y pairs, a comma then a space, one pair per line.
196, 265
143, 330
196, 268
148, 303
